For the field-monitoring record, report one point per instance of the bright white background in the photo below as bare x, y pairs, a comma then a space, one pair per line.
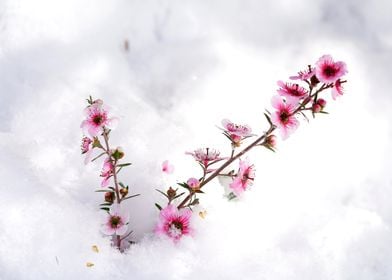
320, 207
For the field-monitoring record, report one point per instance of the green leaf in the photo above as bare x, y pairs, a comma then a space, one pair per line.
121, 184
162, 193
124, 164
158, 206
131, 196
323, 112
177, 196
97, 157
268, 118
184, 185
105, 204
105, 209
103, 191
269, 148
194, 202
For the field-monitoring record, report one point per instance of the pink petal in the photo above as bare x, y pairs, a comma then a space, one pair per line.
107, 230
167, 167
122, 230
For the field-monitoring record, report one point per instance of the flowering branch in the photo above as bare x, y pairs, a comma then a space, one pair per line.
292, 101
98, 126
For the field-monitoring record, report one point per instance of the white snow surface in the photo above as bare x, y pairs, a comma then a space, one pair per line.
320, 207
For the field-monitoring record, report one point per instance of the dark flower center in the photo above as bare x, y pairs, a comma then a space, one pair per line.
330, 71
115, 221
97, 119
294, 91
284, 117
178, 225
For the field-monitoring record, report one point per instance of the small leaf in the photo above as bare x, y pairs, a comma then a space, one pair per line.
177, 196
105, 209
162, 193
131, 196
97, 157
121, 184
105, 204
268, 118
103, 191
158, 206
124, 164
194, 202
269, 148
323, 112
184, 185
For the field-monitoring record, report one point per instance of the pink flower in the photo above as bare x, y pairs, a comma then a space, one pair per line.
86, 144
304, 75
328, 71
96, 119
244, 178
167, 167
174, 223
271, 141
87, 148
206, 156
337, 89
107, 172
292, 91
284, 117
193, 183
236, 132
116, 222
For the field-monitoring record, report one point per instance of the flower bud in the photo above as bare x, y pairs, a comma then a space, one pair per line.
321, 102
316, 108
124, 192
118, 153
171, 193
193, 183
270, 141
109, 197
86, 144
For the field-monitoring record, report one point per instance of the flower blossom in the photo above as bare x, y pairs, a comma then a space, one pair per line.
284, 117
193, 183
304, 75
292, 91
236, 132
107, 172
206, 156
87, 148
167, 167
116, 222
337, 89
96, 119
174, 223
244, 178
328, 71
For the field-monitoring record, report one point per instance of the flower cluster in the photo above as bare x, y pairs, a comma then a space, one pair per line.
97, 128
293, 101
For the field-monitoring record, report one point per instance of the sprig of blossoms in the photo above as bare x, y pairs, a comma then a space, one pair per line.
292, 103
97, 128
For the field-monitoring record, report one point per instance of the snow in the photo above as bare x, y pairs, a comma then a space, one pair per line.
319, 208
